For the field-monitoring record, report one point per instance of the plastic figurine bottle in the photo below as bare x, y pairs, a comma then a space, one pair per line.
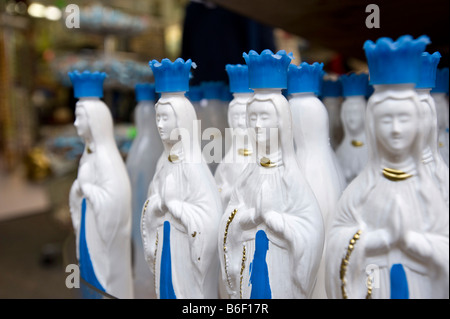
100, 197
440, 96
390, 235
271, 234
352, 152
431, 157
240, 152
141, 162
216, 115
317, 160
331, 93
195, 95
181, 215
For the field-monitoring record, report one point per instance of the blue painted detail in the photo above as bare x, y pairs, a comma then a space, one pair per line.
399, 283
165, 280
171, 76
354, 84
259, 273
145, 92
238, 78
86, 268
305, 77
395, 62
268, 69
441, 85
428, 68
87, 84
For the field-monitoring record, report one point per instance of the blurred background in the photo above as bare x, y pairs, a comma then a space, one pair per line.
40, 41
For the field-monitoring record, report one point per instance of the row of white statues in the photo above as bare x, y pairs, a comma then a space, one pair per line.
278, 219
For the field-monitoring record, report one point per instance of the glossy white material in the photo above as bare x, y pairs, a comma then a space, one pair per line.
103, 180
317, 161
276, 200
401, 222
431, 157
183, 192
353, 158
441, 101
215, 113
235, 161
141, 164
336, 131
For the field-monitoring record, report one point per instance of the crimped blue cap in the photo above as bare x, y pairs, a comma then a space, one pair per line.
305, 77
87, 84
267, 70
395, 62
238, 78
354, 84
195, 93
441, 81
331, 88
145, 92
370, 90
171, 76
212, 90
428, 68
226, 95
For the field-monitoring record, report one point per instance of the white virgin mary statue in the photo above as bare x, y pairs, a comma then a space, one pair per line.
240, 152
315, 156
352, 151
431, 157
100, 197
141, 165
181, 215
391, 233
440, 96
271, 234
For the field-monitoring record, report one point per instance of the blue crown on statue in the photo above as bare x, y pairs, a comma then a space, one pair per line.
305, 78
268, 69
195, 93
331, 88
171, 76
238, 78
441, 85
145, 92
428, 68
354, 84
395, 62
87, 84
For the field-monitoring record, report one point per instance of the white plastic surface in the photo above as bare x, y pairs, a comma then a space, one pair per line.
103, 180
276, 199
401, 221
141, 163
352, 152
183, 193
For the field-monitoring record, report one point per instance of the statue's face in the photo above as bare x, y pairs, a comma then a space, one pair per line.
166, 121
238, 116
262, 116
396, 123
353, 116
81, 122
